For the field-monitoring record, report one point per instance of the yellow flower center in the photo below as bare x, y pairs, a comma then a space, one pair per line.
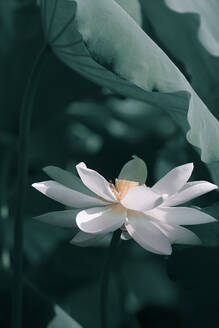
121, 187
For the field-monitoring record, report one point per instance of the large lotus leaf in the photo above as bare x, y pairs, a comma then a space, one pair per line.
61, 28
179, 34
208, 11
114, 51
133, 8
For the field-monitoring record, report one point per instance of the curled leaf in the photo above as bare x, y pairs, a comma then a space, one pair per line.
113, 51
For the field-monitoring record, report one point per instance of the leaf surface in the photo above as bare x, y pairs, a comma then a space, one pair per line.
113, 51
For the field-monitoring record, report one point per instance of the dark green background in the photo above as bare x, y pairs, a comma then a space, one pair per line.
75, 120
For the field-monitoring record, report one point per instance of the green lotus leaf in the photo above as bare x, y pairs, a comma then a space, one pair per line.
113, 51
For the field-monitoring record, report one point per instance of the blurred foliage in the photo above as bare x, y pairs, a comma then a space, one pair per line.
76, 120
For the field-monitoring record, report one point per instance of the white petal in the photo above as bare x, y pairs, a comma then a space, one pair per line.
68, 179
146, 234
84, 239
141, 198
101, 219
180, 215
190, 191
178, 235
60, 218
66, 195
174, 180
95, 182
125, 236
134, 170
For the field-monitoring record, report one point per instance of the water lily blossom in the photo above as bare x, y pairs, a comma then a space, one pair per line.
151, 216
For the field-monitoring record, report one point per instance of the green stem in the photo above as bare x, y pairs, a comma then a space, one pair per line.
23, 146
106, 276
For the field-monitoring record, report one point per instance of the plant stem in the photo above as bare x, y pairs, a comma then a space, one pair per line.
23, 146
106, 276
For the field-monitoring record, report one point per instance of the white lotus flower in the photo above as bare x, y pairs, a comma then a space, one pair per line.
148, 215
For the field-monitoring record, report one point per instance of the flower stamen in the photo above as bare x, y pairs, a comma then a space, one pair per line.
121, 187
